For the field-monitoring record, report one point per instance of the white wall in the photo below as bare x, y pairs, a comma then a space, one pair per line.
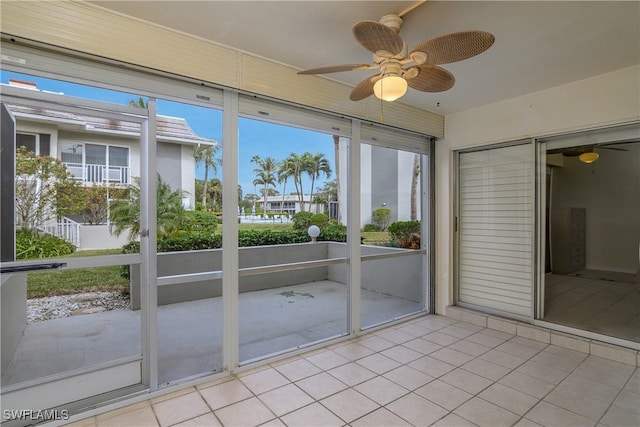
609, 190
405, 175
365, 185
188, 177
607, 99
99, 237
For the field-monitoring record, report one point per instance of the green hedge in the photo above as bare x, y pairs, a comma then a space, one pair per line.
200, 221
190, 241
400, 230
369, 228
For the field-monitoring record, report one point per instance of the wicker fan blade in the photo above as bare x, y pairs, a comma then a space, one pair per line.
376, 37
364, 88
455, 47
431, 78
336, 69
611, 148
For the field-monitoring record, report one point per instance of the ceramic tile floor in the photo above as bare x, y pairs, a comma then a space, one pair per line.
602, 302
428, 371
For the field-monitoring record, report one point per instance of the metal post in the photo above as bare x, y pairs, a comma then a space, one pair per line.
230, 290
148, 249
353, 230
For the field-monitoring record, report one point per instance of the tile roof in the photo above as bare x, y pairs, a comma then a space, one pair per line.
170, 129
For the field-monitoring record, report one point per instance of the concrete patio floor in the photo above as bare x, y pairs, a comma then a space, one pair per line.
190, 333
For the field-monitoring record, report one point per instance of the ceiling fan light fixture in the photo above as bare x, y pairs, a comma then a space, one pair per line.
589, 157
390, 87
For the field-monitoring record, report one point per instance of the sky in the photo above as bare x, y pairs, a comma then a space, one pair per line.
256, 137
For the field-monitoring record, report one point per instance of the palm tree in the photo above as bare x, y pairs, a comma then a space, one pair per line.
315, 166
215, 194
124, 213
265, 174
284, 173
138, 103
206, 154
295, 166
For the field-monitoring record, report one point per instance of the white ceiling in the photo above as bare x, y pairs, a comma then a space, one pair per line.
539, 44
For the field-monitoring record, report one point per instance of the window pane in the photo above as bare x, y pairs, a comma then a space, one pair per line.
96, 154
118, 156
391, 225
68, 322
27, 141
71, 152
288, 176
45, 144
189, 239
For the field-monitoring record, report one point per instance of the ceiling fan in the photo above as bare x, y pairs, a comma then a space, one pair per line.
399, 68
585, 153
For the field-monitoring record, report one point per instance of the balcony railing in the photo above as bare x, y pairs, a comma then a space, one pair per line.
99, 173
66, 229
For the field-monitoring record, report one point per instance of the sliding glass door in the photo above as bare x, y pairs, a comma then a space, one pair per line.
495, 230
591, 209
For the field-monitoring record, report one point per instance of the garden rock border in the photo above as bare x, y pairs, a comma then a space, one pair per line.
39, 309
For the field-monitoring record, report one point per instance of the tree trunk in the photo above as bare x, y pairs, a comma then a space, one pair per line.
266, 193
311, 194
284, 191
299, 192
414, 187
204, 186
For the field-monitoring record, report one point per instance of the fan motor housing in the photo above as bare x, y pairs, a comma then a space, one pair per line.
392, 21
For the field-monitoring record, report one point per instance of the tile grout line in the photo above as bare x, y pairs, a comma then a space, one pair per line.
614, 399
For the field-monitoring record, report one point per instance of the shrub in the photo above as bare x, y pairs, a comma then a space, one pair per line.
333, 233
268, 237
370, 228
200, 221
190, 242
301, 220
381, 217
400, 230
410, 242
30, 245
319, 219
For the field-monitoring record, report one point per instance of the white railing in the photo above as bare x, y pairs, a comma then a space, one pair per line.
66, 229
99, 173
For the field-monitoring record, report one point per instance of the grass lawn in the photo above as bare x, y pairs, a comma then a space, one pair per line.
276, 226
78, 280
375, 237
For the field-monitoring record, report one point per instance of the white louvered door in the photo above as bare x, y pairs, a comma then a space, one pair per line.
496, 229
